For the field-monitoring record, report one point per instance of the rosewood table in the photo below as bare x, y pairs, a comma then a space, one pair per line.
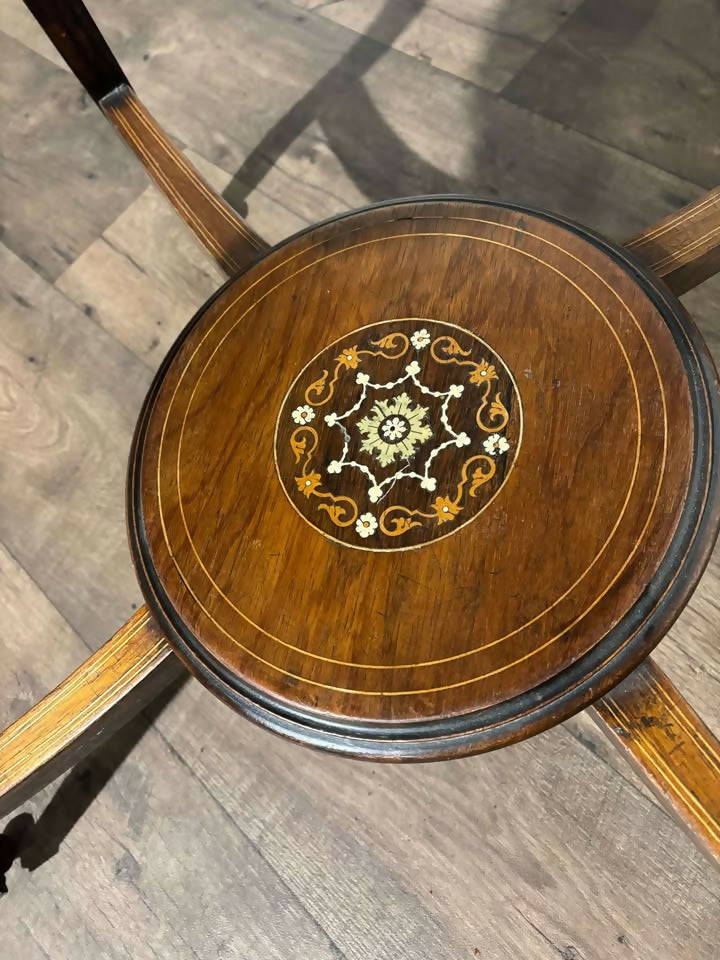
418, 482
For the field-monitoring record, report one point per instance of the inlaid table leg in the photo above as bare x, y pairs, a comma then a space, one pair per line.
104, 693
217, 226
649, 721
684, 248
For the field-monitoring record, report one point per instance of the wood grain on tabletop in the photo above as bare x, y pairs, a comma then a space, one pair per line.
298, 584
560, 819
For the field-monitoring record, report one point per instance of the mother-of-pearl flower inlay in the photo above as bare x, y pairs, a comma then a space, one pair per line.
420, 339
303, 414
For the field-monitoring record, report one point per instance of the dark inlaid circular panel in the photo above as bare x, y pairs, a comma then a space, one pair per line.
426, 479
398, 434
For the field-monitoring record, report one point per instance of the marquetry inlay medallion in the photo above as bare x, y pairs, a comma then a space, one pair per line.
398, 434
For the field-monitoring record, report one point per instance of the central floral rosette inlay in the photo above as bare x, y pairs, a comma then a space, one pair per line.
394, 430
395, 436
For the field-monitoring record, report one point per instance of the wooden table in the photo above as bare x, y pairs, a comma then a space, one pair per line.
419, 482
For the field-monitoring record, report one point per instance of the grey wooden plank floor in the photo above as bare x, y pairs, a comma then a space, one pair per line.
212, 839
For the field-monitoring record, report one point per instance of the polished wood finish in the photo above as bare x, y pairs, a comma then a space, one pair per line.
684, 248
86, 737
437, 650
652, 724
106, 691
214, 222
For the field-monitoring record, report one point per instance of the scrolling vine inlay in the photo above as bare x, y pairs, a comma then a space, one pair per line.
398, 434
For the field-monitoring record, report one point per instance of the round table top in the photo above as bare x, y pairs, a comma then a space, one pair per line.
426, 479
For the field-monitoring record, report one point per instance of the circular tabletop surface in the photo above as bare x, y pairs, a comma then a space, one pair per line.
426, 479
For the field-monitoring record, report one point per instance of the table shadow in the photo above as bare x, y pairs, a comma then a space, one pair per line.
34, 842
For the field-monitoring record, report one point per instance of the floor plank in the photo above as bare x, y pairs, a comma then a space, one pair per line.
17, 22
132, 878
483, 41
641, 75
545, 828
146, 276
703, 305
64, 175
70, 398
690, 652
355, 121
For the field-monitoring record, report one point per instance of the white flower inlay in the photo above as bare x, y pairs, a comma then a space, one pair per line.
420, 339
366, 525
389, 440
303, 414
496, 444
395, 428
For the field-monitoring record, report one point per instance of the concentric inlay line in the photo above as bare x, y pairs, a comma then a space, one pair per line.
470, 652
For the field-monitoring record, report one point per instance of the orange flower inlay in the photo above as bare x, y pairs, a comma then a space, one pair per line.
348, 358
482, 372
445, 509
309, 484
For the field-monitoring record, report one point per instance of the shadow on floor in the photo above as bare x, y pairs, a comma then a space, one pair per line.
32, 842
373, 155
